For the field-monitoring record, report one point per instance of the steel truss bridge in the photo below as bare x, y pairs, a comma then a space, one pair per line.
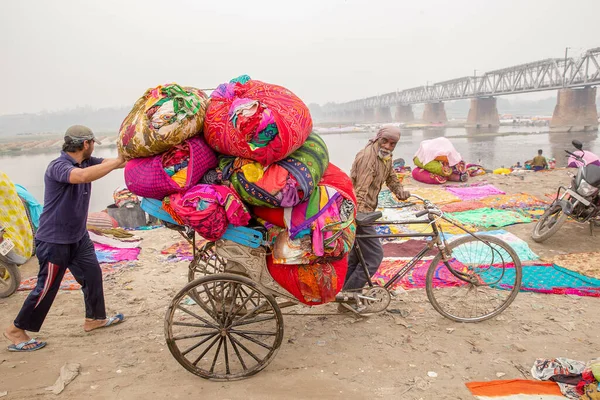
549, 74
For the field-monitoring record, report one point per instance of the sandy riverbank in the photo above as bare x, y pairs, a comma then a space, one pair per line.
331, 357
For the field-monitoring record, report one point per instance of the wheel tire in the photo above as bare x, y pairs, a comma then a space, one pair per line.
455, 243
232, 325
11, 279
540, 237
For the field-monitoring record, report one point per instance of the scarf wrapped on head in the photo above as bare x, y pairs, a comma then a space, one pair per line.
387, 132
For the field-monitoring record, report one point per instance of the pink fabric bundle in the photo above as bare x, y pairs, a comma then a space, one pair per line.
424, 176
209, 209
146, 176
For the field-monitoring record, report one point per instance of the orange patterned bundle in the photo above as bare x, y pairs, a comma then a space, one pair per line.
256, 120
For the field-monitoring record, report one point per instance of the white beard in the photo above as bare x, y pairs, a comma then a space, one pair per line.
384, 154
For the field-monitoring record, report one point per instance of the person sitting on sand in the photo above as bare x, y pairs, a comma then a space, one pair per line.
539, 162
62, 240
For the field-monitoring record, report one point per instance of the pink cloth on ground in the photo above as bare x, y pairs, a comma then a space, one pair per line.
474, 192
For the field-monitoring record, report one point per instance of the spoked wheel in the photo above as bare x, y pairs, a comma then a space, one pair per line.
206, 262
479, 281
10, 278
223, 327
549, 223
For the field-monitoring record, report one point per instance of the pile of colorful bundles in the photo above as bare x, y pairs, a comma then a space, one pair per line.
286, 183
256, 120
208, 209
320, 229
162, 118
459, 173
176, 170
437, 162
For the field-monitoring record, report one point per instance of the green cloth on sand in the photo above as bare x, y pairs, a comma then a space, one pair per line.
489, 217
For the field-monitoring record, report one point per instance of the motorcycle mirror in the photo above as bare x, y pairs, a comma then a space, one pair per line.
577, 144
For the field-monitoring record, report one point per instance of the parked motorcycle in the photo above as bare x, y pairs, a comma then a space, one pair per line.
10, 277
580, 201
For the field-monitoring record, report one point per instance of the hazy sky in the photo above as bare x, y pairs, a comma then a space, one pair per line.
67, 53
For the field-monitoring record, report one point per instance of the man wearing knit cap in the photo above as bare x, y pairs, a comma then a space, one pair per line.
371, 168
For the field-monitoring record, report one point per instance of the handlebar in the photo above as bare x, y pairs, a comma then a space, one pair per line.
578, 158
429, 207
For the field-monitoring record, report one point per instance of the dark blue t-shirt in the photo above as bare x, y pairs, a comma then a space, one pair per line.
66, 205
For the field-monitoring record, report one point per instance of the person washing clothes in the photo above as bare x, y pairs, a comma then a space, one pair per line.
539, 162
371, 168
62, 240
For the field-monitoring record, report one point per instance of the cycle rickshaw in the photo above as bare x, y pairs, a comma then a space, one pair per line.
226, 323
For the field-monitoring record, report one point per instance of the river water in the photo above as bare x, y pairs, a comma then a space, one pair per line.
492, 149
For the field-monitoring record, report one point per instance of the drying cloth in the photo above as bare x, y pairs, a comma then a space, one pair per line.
182, 250
439, 148
545, 278
162, 118
409, 248
462, 206
69, 282
515, 389
13, 217
556, 368
255, 137
436, 196
474, 192
517, 201
35, 208
518, 245
108, 254
489, 217
415, 279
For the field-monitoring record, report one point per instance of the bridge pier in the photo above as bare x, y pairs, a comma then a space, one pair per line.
369, 114
404, 113
483, 113
383, 114
435, 113
575, 111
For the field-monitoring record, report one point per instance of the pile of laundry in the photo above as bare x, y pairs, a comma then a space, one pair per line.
576, 379
252, 156
438, 162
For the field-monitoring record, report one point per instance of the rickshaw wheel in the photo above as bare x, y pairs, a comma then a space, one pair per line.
223, 327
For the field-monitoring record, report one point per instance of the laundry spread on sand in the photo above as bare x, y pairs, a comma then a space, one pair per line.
415, 278
544, 278
515, 201
474, 192
489, 217
115, 249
